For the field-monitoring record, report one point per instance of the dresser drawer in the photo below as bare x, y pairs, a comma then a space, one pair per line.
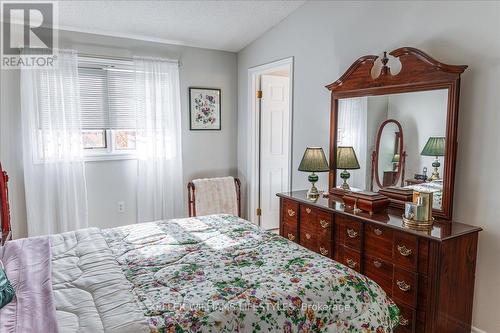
308, 216
325, 249
351, 258
308, 233
404, 287
308, 227
350, 232
406, 319
290, 232
316, 230
324, 222
378, 241
290, 213
405, 251
379, 271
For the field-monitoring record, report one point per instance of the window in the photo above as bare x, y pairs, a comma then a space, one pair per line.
108, 113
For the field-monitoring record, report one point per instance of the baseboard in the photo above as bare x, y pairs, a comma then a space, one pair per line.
476, 330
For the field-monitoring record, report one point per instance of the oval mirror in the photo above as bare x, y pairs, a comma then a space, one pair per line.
388, 161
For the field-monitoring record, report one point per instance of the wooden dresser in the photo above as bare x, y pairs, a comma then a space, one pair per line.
430, 275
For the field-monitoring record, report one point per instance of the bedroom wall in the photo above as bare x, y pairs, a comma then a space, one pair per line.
205, 153
325, 38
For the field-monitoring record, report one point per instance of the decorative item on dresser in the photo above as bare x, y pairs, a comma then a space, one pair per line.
314, 160
370, 202
421, 270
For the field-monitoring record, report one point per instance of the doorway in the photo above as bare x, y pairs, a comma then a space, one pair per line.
270, 128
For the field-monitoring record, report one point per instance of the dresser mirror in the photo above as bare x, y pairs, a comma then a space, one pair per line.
375, 127
402, 127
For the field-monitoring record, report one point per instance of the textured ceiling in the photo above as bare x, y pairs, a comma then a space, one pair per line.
223, 25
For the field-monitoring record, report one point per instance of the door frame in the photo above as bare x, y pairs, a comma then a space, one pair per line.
253, 200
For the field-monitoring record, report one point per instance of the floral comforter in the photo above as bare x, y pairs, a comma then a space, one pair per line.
221, 273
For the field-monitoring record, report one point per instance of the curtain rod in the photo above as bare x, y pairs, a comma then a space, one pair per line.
98, 56
107, 57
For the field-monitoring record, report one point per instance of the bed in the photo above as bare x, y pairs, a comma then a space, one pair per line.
215, 273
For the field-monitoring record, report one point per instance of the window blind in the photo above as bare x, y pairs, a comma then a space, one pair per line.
107, 98
121, 99
93, 98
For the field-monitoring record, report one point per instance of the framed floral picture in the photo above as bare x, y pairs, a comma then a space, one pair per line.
204, 109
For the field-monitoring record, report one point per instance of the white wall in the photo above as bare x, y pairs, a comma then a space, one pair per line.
325, 38
205, 153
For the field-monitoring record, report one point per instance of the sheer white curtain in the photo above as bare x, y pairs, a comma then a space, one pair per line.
160, 188
352, 127
54, 170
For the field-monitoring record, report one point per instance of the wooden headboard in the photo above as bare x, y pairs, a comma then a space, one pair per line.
4, 207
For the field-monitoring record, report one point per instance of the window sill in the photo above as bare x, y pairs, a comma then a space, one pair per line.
109, 157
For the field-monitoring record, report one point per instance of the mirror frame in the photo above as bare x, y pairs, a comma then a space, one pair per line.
419, 72
376, 152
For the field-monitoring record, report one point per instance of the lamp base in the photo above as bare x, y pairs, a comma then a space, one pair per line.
435, 173
313, 191
345, 175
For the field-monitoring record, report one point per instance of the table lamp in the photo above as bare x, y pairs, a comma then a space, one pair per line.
347, 160
314, 160
434, 147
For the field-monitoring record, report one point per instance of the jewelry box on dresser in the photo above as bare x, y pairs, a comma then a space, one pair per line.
428, 273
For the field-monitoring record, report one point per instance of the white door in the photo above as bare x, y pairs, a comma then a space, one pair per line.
274, 143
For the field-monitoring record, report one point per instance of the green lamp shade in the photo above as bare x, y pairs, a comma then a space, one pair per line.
395, 158
314, 160
346, 158
434, 147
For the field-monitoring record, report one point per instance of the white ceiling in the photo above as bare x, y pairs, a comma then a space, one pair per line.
223, 25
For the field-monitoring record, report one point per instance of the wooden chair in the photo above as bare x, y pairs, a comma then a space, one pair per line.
192, 197
4, 207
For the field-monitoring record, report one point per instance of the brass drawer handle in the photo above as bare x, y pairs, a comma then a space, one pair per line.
291, 212
403, 286
351, 263
291, 237
403, 321
308, 236
377, 232
404, 251
323, 251
308, 210
324, 224
377, 263
352, 233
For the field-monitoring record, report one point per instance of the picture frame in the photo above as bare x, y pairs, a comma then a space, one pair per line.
205, 109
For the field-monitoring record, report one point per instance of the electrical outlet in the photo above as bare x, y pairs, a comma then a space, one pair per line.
121, 207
